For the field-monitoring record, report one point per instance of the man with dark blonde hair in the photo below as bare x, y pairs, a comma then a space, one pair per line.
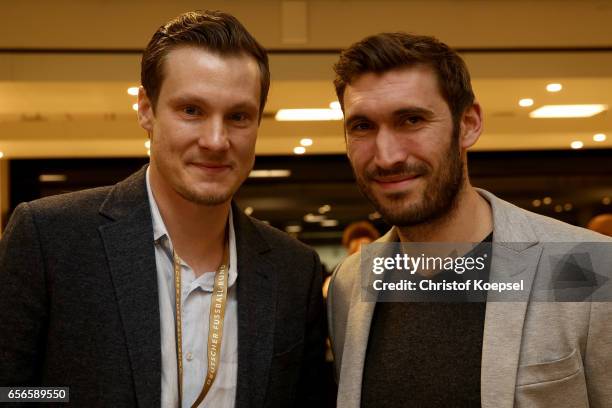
410, 116
159, 291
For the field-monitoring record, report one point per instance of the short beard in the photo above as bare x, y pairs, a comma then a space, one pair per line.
207, 200
438, 199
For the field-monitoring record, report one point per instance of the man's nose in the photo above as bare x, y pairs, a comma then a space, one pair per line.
389, 148
214, 135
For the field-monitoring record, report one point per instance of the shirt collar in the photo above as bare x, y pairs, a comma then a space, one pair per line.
160, 232
159, 228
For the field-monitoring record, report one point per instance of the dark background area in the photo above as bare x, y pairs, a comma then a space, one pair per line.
578, 183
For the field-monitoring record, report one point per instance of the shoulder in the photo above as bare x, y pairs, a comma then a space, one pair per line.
71, 203
514, 224
551, 230
64, 211
55, 222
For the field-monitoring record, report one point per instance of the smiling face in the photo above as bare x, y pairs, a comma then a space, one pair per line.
204, 127
402, 144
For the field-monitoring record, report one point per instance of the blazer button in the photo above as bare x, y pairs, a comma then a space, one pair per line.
189, 356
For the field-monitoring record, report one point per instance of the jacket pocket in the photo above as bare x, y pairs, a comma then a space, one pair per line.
559, 383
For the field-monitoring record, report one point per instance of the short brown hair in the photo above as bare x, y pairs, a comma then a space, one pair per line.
387, 51
214, 31
359, 229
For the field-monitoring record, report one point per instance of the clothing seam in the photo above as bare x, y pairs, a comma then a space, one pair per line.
550, 381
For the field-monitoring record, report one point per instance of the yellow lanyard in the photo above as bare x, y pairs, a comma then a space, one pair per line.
215, 323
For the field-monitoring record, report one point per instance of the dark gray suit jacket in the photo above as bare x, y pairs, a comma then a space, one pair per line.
79, 303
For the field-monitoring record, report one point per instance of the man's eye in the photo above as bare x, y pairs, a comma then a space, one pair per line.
191, 110
360, 126
239, 117
413, 120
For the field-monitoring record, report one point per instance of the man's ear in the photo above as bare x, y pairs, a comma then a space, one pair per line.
146, 117
471, 126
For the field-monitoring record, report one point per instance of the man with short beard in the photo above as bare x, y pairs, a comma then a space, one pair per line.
410, 116
159, 291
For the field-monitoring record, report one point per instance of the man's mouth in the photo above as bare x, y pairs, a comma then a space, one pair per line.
211, 167
396, 182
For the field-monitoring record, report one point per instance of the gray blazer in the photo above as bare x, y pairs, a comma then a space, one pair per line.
535, 354
79, 303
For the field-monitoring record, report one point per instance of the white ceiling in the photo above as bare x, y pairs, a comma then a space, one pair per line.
74, 104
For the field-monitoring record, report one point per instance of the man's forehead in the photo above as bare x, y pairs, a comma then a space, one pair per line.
184, 67
405, 85
175, 58
402, 77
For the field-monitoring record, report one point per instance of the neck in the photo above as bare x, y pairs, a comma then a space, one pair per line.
197, 231
469, 220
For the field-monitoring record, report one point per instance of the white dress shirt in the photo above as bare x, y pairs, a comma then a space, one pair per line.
196, 297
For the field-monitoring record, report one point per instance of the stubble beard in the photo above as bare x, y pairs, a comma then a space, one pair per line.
205, 199
437, 200
183, 188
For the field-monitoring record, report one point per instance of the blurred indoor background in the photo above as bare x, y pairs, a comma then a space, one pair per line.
67, 120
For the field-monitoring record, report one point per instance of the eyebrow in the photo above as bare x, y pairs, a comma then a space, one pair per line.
187, 99
399, 112
413, 111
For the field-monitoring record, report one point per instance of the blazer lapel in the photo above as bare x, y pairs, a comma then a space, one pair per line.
516, 254
356, 340
503, 331
257, 292
128, 242
355, 346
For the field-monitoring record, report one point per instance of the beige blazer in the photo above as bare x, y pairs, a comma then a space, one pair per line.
535, 354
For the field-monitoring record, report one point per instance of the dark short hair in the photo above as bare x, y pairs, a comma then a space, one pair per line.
359, 229
214, 31
387, 51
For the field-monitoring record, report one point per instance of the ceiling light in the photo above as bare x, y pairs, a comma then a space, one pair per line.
293, 228
52, 178
299, 150
148, 152
248, 210
606, 201
568, 207
308, 114
576, 144
374, 216
526, 102
329, 223
599, 137
324, 209
313, 218
133, 90
269, 173
547, 200
335, 105
568, 111
306, 142
148, 144
536, 203
558, 208
1, 155
554, 87
135, 107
